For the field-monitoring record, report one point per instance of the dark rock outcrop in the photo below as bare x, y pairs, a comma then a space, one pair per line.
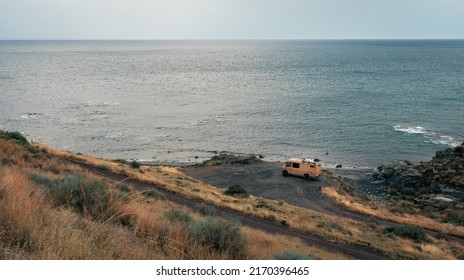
443, 174
232, 159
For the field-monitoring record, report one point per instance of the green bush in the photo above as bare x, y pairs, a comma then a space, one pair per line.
206, 210
124, 188
53, 168
222, 236
178, 215
264, 205
83, 195
14, 136
41, 179
154, 194
6, 161
459, 221
121, 161
69, 191
236, 190
104, 166
291, 255
412, 232
134, 164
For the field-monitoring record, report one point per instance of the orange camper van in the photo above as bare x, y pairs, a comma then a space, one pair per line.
307, 168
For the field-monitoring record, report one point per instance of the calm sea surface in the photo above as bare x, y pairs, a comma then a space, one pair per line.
359, 103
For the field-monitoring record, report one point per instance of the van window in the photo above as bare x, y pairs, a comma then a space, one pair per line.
296, 165
288, 164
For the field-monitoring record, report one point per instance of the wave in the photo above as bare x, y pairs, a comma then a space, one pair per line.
430, 136
94, 104
410, 130
25, 117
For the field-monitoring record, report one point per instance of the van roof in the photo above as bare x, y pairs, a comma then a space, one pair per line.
301, 160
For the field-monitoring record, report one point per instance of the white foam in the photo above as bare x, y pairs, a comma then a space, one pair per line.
410, 130
96, 104
430, 136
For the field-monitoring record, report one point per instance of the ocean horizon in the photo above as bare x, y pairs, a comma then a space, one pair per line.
352, 102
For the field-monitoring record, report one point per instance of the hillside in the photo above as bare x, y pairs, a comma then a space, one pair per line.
51, 208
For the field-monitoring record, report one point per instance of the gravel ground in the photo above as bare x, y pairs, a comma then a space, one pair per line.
265, 179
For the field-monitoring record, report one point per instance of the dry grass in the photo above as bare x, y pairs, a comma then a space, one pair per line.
329, 227
32, 227
382, 212
268, 245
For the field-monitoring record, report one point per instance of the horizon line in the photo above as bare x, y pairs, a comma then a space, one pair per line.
252, 39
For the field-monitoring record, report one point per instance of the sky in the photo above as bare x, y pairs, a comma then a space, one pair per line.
230, 19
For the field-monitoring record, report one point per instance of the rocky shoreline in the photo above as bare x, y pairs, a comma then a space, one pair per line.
443, 175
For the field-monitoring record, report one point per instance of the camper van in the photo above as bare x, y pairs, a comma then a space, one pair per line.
307, 168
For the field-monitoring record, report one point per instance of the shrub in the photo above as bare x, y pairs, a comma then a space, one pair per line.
121, 161
6, 161
206, 210
104, 166
53, 168
412, 232
154, 194
74, 190
41, 179
134, 164
220, 235
291, 255
124, 188
236, 190
14, 136
69, 191
178, 215
459, 221
264, 205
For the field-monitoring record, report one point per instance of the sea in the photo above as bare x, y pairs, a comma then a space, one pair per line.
359, 103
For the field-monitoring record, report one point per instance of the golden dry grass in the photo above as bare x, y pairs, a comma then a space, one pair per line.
380, 211
32, 228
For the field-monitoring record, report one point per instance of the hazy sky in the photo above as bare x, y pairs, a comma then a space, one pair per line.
230, 19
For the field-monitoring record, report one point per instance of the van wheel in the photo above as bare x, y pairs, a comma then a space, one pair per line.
307, 177
285, 173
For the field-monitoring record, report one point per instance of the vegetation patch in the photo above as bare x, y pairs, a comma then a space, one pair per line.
292, 255
414, 233
134, 164
263, 205
178, 215
121, 161
104, 166
237, 191
86, 196
206, 210
154, 194
14, 136
222, 236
